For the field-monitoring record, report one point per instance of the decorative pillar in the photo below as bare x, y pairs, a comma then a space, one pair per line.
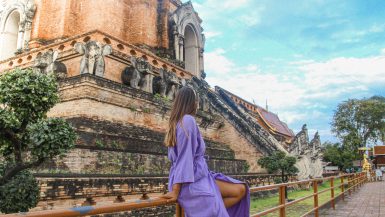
20, 40
27, 35
176, 42
201, 63
181, 48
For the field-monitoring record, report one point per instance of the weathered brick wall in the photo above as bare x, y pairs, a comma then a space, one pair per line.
95, 98
133, 21
112, 148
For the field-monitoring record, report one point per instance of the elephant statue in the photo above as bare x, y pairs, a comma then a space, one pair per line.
139, 75
166, 84
93, 57
47, 63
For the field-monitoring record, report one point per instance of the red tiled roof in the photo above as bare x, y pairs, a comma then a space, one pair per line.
379, 150
272, 120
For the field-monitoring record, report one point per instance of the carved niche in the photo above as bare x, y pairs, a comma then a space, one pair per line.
139, 75
26, 10
93, 57
47, 63
183, 18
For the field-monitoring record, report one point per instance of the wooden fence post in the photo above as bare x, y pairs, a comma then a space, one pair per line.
350, 184
179, 211
358, 181
342, 188
282, 201
315, 190
332, 192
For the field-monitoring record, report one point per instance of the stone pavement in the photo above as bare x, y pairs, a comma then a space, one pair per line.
368, 201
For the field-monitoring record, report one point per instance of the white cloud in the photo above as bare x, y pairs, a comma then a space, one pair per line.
225, 4
251, 85
212, 34
251, 68
252, 18
290, 117
217, 64
356, 35
355, 73
303, 96
206, 8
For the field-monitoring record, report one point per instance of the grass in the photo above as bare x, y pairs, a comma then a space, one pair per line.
298, 209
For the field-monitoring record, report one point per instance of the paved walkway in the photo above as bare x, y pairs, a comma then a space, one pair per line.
368, 201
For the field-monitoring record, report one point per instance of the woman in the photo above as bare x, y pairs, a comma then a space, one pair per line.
200, 192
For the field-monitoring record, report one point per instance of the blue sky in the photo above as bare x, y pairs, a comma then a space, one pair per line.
302, 56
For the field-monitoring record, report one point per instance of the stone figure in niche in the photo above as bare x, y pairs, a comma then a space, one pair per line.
166, 84
139, 75
47, 63
93, 57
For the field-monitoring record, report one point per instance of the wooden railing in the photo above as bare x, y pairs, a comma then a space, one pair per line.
352, 181
106, 209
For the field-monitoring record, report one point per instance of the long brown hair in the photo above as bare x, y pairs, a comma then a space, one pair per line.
185, 103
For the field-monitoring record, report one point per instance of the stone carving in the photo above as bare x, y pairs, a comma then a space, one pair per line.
181, 18
26, 9
29, 13
204, 104
203, 74
166, 84
93, 57
2, 7
47, 63
139, 75
309, 157
300, 142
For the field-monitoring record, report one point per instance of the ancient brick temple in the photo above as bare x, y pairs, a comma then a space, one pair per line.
119, 64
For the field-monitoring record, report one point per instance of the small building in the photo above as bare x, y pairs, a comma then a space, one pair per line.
379, 155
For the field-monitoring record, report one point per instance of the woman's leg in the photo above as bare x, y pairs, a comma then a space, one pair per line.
231, 193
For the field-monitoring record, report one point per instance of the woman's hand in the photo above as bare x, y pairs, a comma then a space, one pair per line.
172, 195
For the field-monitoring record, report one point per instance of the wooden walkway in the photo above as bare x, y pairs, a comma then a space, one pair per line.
368, 201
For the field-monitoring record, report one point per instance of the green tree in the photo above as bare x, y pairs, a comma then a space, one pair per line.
358, 122
27, 136
279, 163
337, 155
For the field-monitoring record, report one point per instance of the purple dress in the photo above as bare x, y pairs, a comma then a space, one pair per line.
199, 194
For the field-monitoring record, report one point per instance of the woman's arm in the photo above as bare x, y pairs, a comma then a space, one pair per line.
173, 195
183, 165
